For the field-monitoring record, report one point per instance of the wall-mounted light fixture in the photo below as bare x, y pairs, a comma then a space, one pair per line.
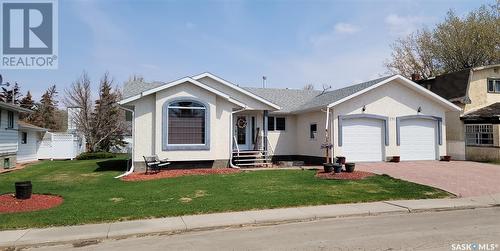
364, 108
419, 109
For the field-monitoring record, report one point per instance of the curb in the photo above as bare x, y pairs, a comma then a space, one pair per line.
91, 241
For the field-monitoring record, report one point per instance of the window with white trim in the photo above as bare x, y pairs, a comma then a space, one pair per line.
186, 123
494, 85
479, 135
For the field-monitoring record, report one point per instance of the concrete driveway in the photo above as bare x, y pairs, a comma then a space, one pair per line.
463, 178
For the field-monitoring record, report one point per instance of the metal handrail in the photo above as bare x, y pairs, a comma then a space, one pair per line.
235, 142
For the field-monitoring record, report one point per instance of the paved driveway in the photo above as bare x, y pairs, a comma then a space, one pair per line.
463, 178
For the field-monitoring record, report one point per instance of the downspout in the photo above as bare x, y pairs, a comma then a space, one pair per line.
131, 170
231, 138
327, 138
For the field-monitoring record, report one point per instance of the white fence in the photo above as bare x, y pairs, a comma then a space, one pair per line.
60, 146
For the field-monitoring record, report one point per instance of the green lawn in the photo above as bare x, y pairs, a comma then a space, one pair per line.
91, 194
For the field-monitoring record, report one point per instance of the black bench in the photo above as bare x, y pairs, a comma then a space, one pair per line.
154, 164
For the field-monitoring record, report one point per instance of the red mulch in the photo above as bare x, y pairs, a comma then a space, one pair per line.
356, 175
9, 203
177, 173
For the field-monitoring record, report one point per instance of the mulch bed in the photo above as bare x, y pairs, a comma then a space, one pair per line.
177, 173
9, 203
356, 175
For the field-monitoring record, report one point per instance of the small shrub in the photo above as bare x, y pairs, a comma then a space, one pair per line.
95, 155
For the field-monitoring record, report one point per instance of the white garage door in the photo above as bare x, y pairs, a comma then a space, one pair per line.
418, 139
362, 140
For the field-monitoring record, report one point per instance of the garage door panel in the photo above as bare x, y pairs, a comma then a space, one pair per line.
362, 140
418, 139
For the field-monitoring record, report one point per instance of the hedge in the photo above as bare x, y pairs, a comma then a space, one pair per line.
95, 155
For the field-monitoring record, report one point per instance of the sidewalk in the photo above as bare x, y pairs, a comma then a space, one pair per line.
172, 225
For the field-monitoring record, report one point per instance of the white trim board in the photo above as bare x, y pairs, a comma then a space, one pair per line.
181, 81
233, 86
406, 81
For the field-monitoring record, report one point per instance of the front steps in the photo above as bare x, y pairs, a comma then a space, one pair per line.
251, 158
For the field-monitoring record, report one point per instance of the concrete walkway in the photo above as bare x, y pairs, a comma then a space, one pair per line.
172, 225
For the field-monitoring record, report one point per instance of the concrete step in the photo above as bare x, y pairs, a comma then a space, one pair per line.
254, 164
248, 160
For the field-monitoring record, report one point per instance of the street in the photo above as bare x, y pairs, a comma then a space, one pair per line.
415, 231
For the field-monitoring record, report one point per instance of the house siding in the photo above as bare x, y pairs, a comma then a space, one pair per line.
8, 137
28, 152
284, 142
305, 145
478, 89
477, 92
149, 122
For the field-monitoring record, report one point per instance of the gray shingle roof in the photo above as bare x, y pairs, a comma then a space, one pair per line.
336, 95
489, 112
132, 88
449, 86
12, 107
293, 100
290, 100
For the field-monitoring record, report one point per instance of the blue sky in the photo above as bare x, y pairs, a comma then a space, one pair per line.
293, 43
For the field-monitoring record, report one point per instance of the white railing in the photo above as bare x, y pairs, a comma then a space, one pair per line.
235, 143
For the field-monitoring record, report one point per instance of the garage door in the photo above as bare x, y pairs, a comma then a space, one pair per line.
362, 140
418, 139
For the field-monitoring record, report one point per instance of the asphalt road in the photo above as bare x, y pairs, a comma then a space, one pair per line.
417, 231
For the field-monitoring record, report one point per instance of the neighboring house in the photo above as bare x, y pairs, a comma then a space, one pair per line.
30, 137
472, 133
9, 134
207, 120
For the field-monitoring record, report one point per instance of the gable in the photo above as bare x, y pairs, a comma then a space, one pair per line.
419, 90
186, 80
252, 100
209, 82
392, 99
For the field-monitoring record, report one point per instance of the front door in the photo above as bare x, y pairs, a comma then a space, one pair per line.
242, 132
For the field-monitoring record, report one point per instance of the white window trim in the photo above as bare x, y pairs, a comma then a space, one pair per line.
476, 133
166, 106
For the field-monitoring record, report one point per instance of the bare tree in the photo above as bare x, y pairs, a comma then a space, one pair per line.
325, 88
79, 95
414, 54
308, 87
100, 123
453, 45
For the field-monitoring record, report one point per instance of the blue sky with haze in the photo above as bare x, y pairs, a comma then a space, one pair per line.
293, 43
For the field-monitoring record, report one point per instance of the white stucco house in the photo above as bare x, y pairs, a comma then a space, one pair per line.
204, 120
